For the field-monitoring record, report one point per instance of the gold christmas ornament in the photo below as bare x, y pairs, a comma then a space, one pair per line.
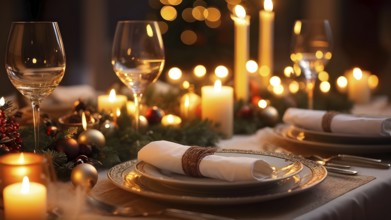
92, 137
84, 175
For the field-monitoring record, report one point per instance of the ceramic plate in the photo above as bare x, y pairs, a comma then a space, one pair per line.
125, 177
339, 138
283, 167
284, 133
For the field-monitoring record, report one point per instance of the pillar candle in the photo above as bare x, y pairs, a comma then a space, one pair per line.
189, 106
265, 50
25, 200
358, 88
110, 103
217, 106
241, 53
14, 166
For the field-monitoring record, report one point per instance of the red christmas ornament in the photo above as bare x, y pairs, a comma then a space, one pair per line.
10, 140
245, 112
154, 115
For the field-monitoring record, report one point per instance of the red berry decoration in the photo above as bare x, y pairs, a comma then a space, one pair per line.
10, 140
245, 112
154, 115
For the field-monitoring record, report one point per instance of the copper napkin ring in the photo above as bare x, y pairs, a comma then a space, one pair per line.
327, 119
192, 157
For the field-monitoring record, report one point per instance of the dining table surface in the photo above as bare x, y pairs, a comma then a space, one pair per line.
366, 195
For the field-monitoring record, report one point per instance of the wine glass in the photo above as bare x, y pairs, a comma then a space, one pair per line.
137, 57
35, 63
311, 50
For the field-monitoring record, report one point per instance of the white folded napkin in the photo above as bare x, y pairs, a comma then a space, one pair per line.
168, 156
340, 123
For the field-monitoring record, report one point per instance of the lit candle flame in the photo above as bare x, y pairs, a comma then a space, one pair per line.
268, 5
187, 101
297, 27
217, 86
25, 185
2, 101
112, 96
240, 12
357, 73
118, 112
170, 119
84, 121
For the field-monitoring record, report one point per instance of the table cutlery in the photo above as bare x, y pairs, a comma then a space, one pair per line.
143, 212
341, 170
359, 160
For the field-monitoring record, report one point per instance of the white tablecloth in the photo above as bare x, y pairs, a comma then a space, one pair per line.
369, 201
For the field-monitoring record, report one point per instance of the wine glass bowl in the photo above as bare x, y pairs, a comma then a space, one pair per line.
35, 62
311, 50
137, 56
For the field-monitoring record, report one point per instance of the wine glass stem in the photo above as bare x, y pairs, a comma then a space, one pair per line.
137, 102
36, 120
310, 84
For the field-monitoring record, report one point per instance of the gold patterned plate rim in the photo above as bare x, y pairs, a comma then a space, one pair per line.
285, 168
125, 177
282, 132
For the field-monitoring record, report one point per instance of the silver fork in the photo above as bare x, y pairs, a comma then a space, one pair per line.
132, 212
359, 160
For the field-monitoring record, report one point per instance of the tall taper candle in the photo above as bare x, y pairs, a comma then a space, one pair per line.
242, 23
265, 50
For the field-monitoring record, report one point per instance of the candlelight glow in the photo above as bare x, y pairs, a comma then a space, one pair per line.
297, 27
251, 66
319, 54
275, 81
175, 73
168, 13
221, 71
217, 86
84, 121
279, 89
264, 71
268, 5
172, 120
294, 87
186, 84
118, 112
288, 71
2, 101
328, 55
21, 158
373, 81
262, 103
240, 12
323, 76
112, 96
199, 71
25, 185
342, 82
357, 73
149, 30
324, 87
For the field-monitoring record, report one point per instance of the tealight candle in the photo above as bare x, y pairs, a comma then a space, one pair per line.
190, 102
217, 106
358, 88
90, 136
14, 166
241, 55
110, 103
25, 200
265, 52
171, 120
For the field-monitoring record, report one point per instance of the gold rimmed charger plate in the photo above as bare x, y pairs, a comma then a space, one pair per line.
284, 168
338, 138
125, 177
299, 139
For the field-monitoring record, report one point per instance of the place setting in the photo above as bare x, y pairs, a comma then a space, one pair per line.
277, 176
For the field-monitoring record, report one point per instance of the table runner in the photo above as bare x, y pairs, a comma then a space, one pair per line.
289, 207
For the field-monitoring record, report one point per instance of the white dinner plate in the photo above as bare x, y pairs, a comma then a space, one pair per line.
283, 167
283, 132
125, 177
339, 138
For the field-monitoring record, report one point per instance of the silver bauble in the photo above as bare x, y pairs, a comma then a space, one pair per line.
84, 175
92, 137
